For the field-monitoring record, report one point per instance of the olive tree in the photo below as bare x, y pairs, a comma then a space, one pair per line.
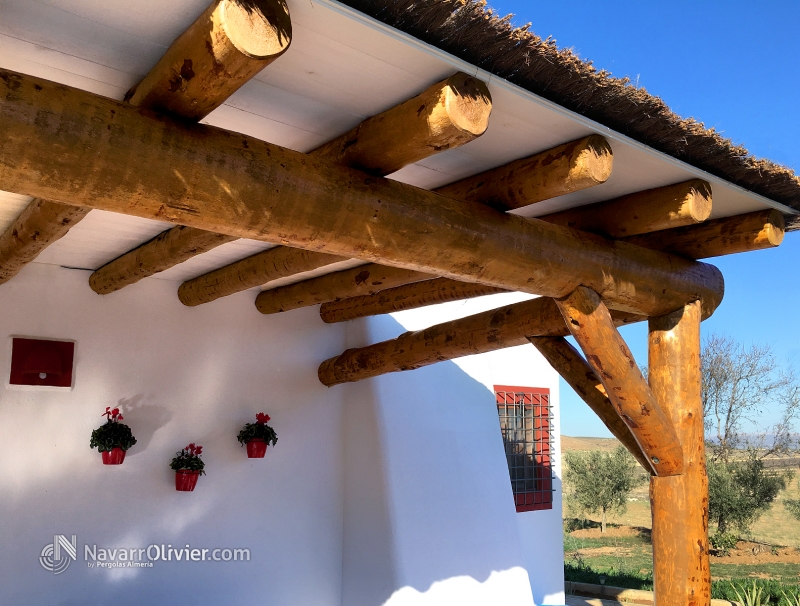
602, 481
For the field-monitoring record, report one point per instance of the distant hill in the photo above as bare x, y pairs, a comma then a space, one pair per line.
569, 443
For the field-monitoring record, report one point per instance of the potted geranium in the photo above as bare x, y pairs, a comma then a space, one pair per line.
188, 467
113, 438
256, 436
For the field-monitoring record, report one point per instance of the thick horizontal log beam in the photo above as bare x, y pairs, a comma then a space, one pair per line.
507, 326
363, 280
226, 46
232, 41
448, 114
62, 142
562, 170
568, 363
407, 296
591, 324
40, 224
743, 233
643, 212
253, 271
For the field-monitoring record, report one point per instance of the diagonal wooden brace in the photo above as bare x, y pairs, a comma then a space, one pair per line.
589, 321
568, 363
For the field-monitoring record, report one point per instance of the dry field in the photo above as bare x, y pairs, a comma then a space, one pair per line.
772, 550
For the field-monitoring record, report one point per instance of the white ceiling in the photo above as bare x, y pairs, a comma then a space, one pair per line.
341, 68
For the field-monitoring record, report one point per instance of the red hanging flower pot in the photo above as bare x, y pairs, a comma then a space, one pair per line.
113, 439
113, 457
188, 466
186, 480
256, 436
256, 448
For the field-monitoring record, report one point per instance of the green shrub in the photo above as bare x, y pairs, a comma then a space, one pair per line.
189, 459
258, 430
723, 541
112, 434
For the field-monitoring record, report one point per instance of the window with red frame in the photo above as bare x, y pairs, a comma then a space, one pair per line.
525, 422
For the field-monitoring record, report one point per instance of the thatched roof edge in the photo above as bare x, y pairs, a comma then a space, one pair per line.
472, 32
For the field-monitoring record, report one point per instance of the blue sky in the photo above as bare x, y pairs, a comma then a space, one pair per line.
732, 65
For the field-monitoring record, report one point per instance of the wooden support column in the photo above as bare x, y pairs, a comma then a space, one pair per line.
363, 280
488, 331
568, 363
446, 115
680, 503
590, 323
269, 193
408, 296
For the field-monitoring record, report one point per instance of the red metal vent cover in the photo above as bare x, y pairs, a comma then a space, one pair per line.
42, 362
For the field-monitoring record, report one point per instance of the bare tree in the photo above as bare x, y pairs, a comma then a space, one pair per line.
738, 385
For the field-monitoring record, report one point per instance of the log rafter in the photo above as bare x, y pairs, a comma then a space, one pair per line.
269, 193
591, 324
448, 114
226, 46
491, 330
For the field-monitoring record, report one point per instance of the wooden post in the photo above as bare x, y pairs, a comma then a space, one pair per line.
568, 363
591, 324
680, 503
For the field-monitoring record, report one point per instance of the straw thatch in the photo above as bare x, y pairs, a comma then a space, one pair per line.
471, 31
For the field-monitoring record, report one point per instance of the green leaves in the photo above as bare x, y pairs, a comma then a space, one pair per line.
602, 481
112, 435
255, 431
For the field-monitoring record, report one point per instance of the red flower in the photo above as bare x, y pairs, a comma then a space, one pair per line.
198, 451
115, 412
261, 418
119, 418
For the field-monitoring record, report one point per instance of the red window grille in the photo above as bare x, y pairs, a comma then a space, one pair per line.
526, 422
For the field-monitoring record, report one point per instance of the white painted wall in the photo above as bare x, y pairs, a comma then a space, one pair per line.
389, 491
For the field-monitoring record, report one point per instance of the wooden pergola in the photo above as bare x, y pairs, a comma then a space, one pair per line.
629, 259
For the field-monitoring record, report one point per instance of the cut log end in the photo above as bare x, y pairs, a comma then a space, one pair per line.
259, 29
593, 161
327, 372
698, 201
468, 103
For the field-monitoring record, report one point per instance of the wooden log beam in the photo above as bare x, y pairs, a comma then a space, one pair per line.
55, 135
568, 363
561, 170
162, 252
590, 323
226, 46
407, 296
555, 172
364, 280
679, 504
719, 237
232, 41
252, 271
446, 115
643, 212
40, 224
507, 326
